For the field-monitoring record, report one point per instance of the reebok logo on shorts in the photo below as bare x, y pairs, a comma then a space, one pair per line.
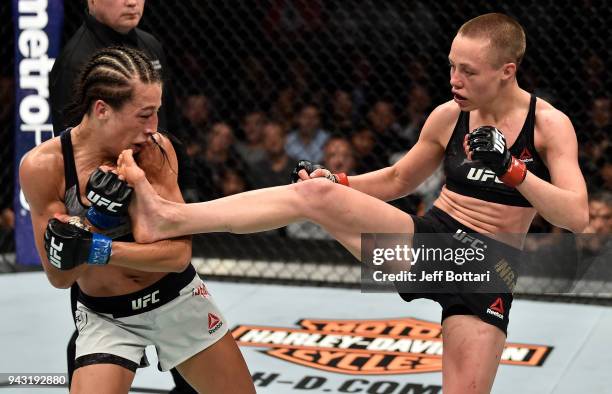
201, 290
497, 308
214, 323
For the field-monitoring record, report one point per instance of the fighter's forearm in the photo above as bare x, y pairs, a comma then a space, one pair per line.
63, 279
382, 184
563, 208
162, 256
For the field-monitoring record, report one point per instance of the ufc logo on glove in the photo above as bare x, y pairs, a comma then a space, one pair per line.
103, 202
54, 257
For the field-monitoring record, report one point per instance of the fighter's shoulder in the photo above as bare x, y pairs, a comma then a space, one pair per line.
46, 156
442, 120
43, 165
552, 122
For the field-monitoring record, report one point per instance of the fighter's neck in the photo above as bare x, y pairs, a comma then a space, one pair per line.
88, 148
504, 104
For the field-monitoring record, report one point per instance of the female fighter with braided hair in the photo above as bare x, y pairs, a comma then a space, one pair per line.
495, 183
138, 295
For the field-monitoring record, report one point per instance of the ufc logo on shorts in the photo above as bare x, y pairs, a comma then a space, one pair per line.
142, 302
101, 201
465, 238
54, 257
482, 175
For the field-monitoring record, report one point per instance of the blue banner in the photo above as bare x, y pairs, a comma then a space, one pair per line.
38, 31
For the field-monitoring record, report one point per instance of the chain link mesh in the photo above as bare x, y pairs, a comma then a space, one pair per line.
367, 73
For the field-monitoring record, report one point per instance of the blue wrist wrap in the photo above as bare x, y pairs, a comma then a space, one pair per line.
102, 221
100, 250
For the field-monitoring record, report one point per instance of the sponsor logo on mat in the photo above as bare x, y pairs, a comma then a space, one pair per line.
368, 347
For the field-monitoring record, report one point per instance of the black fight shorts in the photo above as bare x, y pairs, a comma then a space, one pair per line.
492, 308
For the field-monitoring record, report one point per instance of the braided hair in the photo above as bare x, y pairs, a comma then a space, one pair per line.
108, 76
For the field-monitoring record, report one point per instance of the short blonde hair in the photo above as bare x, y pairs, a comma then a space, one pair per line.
506, 35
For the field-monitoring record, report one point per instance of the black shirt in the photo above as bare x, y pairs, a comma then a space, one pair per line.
91, 36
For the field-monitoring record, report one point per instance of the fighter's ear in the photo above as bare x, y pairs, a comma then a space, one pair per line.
100, 110
508, 71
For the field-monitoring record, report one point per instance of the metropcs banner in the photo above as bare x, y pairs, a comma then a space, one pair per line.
38, 28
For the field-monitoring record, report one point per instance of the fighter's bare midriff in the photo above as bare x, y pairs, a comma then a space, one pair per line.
108, 281
503, 222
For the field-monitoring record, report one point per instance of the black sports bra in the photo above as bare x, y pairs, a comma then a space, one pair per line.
72, 197
474, 180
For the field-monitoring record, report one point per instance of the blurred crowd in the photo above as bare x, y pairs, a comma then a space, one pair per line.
352, 121
345, 135
336, 128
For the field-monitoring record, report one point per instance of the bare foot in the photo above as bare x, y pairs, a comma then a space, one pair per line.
147, 207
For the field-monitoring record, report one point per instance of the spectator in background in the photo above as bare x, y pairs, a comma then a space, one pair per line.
416, 70
605, 163
275, 167
218, 154
252, 150
196, 110
596, 247
594, 72
196, 120
254, 84
600, 213
361, 77
232, 181
219, 144
307, 141
338, 156
595, 139
597, 243
418, 107
342, 114
386, 131
114, 23
364, 141
599, 126
300, 76
282, 110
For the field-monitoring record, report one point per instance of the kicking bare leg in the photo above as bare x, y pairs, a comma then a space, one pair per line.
344, 212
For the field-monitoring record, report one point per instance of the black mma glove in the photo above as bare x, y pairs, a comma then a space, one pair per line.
487, 144
71, 244
309, 166
110, 198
